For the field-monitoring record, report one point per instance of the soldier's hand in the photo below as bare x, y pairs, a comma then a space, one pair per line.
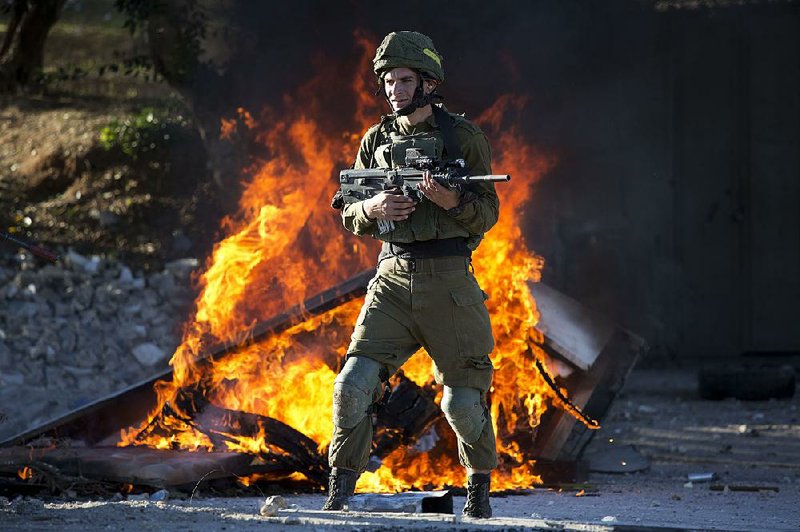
444, 197
389, 205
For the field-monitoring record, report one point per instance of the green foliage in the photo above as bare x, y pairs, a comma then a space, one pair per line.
137, 11
143, 134
189, 21
135, 66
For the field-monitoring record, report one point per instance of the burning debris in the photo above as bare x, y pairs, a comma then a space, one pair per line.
75, 449
252, 380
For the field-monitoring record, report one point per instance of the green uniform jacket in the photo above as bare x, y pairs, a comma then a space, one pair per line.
429, 221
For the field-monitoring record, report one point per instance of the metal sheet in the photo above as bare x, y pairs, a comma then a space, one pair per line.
571, 330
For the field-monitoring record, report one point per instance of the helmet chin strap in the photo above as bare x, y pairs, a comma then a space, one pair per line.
419, 100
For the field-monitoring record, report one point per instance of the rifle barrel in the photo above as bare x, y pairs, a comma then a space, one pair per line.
493, 177
409, 174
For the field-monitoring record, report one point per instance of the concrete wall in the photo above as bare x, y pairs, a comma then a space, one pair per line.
676, 203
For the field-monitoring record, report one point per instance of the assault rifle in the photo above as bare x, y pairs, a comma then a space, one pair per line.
359, 185
39, 251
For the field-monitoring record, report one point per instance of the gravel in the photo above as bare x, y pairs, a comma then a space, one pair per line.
73, 332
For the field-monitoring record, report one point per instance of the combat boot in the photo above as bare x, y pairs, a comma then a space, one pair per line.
478, 496
341, 485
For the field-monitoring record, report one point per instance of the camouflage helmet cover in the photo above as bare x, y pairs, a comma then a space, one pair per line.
408, 49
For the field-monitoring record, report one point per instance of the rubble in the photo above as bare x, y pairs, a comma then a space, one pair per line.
272, 504
79, 329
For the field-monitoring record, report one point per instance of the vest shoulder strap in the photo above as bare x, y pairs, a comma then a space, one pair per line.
445, 122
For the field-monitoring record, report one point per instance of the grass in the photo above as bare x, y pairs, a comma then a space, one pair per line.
88, 36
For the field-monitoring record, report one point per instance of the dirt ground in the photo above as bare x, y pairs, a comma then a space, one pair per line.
751, 446
145, 200
60, 187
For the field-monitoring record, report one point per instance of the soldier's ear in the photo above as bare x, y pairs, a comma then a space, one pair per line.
429, 85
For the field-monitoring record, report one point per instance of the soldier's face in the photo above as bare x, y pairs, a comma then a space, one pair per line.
400, 84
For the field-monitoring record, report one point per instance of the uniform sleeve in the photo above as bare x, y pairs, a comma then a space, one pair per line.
481, 204
353, 216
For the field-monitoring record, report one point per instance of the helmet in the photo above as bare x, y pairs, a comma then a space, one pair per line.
408, 49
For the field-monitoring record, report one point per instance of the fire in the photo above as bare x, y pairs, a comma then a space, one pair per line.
285, 244
25, 473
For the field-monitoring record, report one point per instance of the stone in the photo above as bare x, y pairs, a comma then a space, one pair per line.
76, 260
5, 354
160, 495
125, 276
148, 354
181, 268
12, 377
272, 505
62, 326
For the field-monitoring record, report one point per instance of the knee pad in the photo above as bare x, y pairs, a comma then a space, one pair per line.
465, 412
355, 389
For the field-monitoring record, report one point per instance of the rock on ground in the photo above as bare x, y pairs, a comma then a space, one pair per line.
73, 332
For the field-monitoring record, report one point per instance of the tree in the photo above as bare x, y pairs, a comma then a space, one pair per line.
22, 51
176, 33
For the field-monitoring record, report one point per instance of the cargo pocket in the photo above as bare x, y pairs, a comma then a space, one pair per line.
368, 300
471, 319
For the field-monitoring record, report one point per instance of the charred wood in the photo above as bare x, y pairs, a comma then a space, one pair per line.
58, 468
408, 413
288, 449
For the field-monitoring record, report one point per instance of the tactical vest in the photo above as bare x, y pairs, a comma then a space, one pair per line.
428, 221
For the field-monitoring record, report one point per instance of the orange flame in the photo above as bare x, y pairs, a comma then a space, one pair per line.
25, 473
285, 244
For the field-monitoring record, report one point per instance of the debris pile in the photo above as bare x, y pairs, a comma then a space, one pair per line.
72, 332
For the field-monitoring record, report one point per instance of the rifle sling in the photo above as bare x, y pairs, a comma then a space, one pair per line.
445, 123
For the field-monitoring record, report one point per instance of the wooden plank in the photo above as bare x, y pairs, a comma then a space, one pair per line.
560, 436
128, 465
408, 414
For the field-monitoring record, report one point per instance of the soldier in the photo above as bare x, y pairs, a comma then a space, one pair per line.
424, 294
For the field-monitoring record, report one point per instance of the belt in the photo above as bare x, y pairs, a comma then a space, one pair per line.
432, 265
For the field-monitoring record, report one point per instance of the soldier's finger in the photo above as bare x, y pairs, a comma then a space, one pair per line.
400, 200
